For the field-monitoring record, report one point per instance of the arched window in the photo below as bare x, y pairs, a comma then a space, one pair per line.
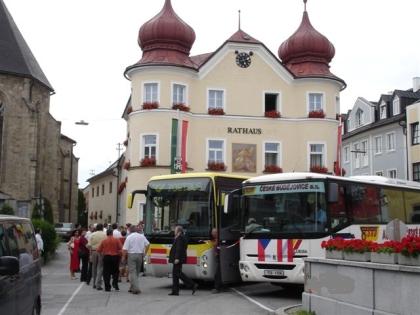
359, 118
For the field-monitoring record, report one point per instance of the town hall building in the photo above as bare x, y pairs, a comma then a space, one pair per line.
240, 109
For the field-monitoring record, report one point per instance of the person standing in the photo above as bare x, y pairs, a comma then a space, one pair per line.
115, 232
135, 246
178, 256
110, 248
217, 274
39, 241
83, 255
73, 247
88, 234
97, 264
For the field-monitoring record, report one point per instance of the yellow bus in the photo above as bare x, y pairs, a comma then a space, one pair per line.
195, 202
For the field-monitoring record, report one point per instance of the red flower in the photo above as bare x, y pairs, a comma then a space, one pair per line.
272, 114
125, 142
150, 105
216, 111
216, 166
316, 114
129, 109
319, 169
273, 169
148, 161
181, 107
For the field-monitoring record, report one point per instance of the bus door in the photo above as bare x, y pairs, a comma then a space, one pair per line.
229, 235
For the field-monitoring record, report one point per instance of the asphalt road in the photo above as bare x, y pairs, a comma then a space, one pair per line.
62, 296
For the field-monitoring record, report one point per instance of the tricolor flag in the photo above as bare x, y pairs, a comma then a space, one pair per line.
179, 148
337, 163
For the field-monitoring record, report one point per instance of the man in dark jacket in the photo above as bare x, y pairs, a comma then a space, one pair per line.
178, 256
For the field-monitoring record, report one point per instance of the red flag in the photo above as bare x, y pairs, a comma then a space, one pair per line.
184, 146
337, 163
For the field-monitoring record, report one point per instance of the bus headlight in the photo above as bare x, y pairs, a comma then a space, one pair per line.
204, 258
205, 265
246, 268
241, 266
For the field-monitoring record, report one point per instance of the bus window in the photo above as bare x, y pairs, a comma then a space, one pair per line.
364, 205
392, 205
337, 209
412, 206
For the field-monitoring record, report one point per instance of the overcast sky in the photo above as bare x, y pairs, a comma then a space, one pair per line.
84, 46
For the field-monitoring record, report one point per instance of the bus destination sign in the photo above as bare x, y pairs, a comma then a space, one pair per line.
286, 188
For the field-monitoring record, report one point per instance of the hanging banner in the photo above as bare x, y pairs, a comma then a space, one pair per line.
174, 144
184, 146
337, 163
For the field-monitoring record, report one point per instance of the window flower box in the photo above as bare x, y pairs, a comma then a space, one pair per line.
354, 256
273, 169
129, 110
385, 253
216, 111
408, 261
384, 258
319, 169
126, 165
216, 166
148, 162
357, 249
316, 114
150, 105
334, 254
409, 251
333, 248
272, 114
181, 107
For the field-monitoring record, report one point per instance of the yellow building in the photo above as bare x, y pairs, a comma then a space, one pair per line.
239, 109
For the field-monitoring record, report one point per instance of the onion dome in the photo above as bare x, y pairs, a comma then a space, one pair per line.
166, 38
307, 52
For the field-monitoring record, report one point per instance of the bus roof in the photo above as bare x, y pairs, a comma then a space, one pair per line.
197, 175
362, 179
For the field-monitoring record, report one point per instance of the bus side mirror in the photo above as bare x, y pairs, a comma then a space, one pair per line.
226, 204
332, 192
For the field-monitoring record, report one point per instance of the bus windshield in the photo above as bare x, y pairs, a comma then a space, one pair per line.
173, 202
284, 208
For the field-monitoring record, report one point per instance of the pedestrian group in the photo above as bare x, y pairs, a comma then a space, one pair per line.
108, 253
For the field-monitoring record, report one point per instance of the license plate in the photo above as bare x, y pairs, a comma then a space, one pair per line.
273, 273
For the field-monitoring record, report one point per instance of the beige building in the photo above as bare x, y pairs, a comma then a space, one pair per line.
103, 195
36, 160
239, 109
413, 139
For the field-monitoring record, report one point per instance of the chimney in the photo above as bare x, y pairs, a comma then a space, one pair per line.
416, 84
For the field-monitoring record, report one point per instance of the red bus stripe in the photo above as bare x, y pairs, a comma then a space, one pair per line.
158, 261
191, 260
279, 250
261, 252
158, 250
290, 250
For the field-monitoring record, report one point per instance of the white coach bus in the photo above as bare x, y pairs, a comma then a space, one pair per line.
285, 217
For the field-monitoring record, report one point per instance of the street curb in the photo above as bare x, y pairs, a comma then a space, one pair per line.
283, 310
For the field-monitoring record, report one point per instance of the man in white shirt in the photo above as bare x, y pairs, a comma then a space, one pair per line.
135, 246
115, 232
39, 241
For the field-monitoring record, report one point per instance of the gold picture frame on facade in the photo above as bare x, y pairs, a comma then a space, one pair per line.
244, 157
